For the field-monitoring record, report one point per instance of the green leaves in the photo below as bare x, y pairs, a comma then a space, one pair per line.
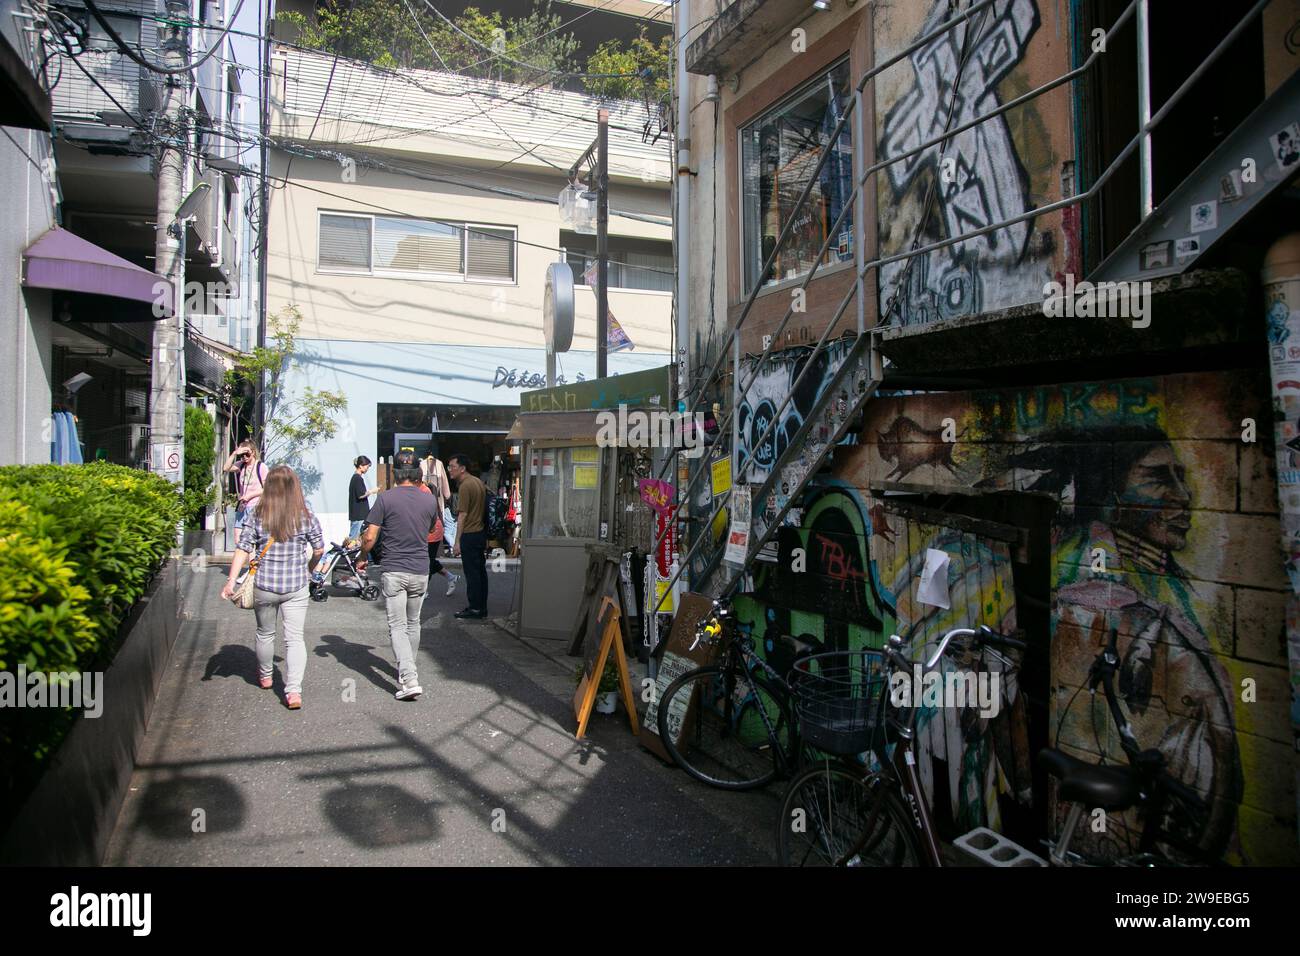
200, 454
405, 34
78, 545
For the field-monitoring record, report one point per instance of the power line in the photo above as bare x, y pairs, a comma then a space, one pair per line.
154, 68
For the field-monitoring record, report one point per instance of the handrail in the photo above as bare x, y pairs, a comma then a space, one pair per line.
878, 262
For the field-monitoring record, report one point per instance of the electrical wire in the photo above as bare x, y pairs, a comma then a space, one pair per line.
154, 68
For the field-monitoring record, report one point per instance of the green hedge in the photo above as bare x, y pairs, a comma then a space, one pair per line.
78, 546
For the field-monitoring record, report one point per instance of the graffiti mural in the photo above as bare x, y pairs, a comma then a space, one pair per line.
1157, 536
852, 589
766, 395
972, 180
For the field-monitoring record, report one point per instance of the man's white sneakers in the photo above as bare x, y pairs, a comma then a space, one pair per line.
409, 691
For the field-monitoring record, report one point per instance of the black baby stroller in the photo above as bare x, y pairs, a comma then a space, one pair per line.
346, 555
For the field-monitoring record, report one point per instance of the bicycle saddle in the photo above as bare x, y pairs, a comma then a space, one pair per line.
1111, 788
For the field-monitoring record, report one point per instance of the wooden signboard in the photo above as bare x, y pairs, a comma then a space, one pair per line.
611, 639
677, 660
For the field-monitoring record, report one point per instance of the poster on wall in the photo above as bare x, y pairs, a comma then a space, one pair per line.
741, 522
584, 476
720, 474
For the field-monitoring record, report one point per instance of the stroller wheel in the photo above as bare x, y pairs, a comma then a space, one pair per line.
319, 594
369, 592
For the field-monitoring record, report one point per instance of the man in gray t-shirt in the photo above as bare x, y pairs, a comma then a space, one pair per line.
405, 515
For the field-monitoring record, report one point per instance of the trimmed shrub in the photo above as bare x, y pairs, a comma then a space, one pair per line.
78, 547
200, 453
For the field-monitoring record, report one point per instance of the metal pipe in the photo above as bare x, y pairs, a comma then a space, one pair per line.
602, 245
1146, 185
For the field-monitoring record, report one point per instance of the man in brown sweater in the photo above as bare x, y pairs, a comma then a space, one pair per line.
471, 536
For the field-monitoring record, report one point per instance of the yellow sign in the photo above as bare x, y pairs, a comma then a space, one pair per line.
661, 587
721, 476
589, 454
584, 476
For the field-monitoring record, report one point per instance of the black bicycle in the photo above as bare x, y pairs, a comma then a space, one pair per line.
731, 724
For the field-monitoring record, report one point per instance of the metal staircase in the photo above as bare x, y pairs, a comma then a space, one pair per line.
859, 373
1247, 167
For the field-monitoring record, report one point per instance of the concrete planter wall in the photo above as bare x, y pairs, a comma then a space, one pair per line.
69, 817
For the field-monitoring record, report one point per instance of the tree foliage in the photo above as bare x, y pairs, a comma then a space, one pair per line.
294, 423
200, 453
405, 34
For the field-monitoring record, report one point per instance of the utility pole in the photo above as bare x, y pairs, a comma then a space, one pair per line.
166, 414
602, 244
264, 129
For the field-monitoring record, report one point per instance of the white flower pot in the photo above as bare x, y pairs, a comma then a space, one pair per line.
605, 703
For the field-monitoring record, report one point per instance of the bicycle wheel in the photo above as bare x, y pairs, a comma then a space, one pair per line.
824, 821
719, 739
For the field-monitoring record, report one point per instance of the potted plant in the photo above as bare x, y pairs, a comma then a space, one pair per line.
606, 690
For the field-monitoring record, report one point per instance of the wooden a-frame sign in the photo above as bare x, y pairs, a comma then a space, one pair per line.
611, 637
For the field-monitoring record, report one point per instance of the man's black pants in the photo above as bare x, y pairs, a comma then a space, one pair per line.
473, 553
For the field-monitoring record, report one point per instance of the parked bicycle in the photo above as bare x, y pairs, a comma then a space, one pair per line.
842, 814
731, 724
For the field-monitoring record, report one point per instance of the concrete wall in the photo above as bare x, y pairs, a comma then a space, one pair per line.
496, 314
25, 320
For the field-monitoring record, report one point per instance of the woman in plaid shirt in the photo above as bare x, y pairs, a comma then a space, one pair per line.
282, 519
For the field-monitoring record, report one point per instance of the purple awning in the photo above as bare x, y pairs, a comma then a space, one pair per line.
61, 260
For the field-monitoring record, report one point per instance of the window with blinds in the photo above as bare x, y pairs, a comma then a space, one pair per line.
417, 245
344, 242
490, 253
420, 247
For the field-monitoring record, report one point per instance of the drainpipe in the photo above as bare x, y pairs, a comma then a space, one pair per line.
1281, 282
681, 212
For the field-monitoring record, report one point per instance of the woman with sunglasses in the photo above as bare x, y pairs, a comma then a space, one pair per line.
248, 483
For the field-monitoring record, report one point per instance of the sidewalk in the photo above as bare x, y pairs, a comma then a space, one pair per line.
483, 769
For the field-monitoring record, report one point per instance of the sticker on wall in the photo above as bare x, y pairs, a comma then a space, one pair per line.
1205, 216
584, 476
548, 464
933, 589
1285, 144
1155, 255
1187, 248
720, 474
1230, 187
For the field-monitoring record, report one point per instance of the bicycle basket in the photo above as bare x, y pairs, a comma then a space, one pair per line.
838, 699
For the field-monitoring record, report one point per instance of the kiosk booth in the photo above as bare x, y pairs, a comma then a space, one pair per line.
582, 494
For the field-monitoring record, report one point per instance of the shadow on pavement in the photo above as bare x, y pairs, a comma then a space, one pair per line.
380, 815
170, 808
360, 659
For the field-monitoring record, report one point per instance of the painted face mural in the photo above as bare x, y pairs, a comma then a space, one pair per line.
1153, 503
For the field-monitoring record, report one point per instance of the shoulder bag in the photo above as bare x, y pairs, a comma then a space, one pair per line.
243, 596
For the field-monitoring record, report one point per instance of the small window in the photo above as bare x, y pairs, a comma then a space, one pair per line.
344, 242
490, 253
779, 153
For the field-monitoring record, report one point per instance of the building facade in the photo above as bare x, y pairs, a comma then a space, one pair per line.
1074, 470
83, 247
412, 223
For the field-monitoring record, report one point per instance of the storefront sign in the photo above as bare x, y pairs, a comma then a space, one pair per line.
513, 378
649, 388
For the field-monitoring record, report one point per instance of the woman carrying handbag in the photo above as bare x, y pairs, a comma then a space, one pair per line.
281, 531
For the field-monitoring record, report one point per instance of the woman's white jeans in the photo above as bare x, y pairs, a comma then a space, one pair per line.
292, 608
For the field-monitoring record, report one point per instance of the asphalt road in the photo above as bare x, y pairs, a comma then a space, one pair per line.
482, 770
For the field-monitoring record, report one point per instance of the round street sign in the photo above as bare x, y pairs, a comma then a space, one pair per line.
557, 307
